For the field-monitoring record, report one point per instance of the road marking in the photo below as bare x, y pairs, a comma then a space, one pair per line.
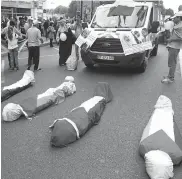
180, 61
40, 56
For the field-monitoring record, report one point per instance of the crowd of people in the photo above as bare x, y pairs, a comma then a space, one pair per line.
32, 30
61, 31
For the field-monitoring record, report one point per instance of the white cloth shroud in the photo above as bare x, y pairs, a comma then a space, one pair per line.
28, 77
67, 87
162, 118
159, 165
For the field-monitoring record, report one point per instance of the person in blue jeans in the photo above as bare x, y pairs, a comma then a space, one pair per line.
174, 46
12, 36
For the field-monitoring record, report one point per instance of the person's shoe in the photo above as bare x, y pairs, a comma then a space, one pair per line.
11, 69
167, 80
17, 68
63, 64
37, 69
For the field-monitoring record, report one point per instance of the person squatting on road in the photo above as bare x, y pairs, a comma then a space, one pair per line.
51, 32
78, 30
12, 37
64, 37
174, 46
34, 35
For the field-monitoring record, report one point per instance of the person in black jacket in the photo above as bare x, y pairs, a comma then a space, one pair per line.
64, 37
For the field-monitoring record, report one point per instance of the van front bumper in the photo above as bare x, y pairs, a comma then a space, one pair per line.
120, 60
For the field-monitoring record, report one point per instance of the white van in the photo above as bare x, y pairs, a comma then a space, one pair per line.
137, 19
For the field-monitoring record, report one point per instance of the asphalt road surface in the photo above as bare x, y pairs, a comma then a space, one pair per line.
110, 149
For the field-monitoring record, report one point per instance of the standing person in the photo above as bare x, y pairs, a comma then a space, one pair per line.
7, 23
168, 25
34, 35
78, 30
28, 24
11, 34
56, 27
64, 37
174, 46
22, 23
51, 32
46, 25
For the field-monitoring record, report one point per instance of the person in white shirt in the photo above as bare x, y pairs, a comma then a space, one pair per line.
169, 24
33, 36
12, 37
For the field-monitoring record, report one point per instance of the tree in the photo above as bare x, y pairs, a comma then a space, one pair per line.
72, 9
60, 10
169, 12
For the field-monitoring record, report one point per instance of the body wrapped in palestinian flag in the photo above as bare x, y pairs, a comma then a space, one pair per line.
30, 106
69, 129
161, 143
27, 81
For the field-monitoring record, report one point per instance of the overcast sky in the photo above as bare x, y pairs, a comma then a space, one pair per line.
173, 4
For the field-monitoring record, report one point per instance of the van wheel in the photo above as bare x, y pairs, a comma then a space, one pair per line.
90, 66
154, 51
143, 66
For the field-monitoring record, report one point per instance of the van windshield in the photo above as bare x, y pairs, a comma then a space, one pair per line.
105, 19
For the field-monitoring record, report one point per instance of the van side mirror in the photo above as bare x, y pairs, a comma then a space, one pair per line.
155, 26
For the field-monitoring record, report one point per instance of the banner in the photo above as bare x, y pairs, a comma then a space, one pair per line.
80, 41
87, 37
131, 45
91, 38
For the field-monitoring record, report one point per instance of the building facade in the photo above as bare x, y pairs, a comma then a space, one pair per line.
18, 8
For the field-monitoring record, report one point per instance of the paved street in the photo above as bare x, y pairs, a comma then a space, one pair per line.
110, 149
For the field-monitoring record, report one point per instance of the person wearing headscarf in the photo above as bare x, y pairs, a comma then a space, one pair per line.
51, 32
64, 37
